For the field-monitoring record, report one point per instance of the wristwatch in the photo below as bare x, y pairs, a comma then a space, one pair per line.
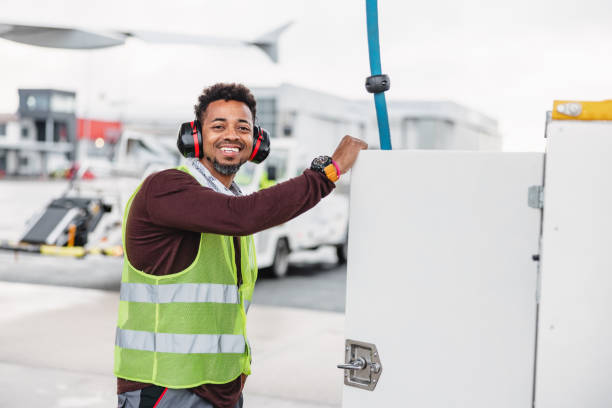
326, 166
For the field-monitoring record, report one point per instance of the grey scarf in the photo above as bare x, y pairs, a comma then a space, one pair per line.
206, 179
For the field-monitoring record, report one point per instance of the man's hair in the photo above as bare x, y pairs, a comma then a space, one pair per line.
227, 92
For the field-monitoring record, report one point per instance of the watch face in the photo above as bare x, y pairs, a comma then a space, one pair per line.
319, 163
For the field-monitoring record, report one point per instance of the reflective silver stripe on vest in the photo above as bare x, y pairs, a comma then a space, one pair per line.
179, 292
180, 343
136, 340
247, 304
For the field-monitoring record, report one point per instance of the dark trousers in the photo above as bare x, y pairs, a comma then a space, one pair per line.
160, 397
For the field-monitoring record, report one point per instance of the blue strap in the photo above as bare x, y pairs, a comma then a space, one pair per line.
379, 98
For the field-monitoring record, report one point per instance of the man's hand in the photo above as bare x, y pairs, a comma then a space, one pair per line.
347, 151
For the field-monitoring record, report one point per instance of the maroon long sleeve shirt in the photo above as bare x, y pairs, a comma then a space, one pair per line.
170, 211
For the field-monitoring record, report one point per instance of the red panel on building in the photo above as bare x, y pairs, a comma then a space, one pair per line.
94, 129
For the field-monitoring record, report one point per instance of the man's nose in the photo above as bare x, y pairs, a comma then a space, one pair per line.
232, 134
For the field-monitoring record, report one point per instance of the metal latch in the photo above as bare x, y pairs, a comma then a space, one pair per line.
535, 197
362, 366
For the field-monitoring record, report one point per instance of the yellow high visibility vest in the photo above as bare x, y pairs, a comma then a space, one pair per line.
188, 328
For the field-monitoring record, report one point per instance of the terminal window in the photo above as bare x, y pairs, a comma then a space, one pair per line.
266, 114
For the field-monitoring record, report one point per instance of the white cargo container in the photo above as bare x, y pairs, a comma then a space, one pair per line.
483, 279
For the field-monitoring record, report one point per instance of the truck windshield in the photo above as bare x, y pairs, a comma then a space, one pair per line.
245, 175
278, 158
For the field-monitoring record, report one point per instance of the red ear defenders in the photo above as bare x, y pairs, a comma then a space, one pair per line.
190, 143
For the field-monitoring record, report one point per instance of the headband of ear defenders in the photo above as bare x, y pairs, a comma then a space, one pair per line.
190, 144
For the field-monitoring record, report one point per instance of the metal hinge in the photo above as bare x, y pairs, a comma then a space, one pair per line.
362, 367
535, 197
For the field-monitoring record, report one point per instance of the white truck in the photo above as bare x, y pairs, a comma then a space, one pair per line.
135, 154
324, 225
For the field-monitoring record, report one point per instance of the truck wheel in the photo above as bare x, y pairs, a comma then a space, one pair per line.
280, 266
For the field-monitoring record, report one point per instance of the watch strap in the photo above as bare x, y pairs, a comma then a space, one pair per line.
331, 172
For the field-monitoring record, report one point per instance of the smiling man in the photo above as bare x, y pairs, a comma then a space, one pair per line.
226, 150
189, 268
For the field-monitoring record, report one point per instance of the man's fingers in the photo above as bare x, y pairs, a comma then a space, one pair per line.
347, 151
353, 141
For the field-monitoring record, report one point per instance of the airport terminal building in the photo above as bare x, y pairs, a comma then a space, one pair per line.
46, 135
320, 120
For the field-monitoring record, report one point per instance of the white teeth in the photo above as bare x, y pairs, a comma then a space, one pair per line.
230, 149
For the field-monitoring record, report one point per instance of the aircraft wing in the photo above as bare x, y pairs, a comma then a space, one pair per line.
58, 37
76, 38
174, 38
268, 42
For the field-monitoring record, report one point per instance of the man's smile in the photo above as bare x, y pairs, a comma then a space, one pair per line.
230, 150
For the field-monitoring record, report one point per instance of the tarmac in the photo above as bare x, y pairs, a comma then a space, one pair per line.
58, 318
56, 350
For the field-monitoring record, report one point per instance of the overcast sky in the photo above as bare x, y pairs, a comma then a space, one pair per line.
509, 60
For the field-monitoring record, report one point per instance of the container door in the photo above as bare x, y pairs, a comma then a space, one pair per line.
575, 331
441, 280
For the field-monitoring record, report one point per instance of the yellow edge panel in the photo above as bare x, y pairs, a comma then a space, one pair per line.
78, 251
62, 251
599, 110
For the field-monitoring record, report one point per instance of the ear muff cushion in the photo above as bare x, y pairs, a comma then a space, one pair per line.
189, 140
196, 139
261, 145
256, 141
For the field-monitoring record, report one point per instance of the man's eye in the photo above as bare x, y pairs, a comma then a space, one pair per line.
217, 127
244, 129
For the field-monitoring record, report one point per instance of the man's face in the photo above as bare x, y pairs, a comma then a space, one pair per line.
227, 133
